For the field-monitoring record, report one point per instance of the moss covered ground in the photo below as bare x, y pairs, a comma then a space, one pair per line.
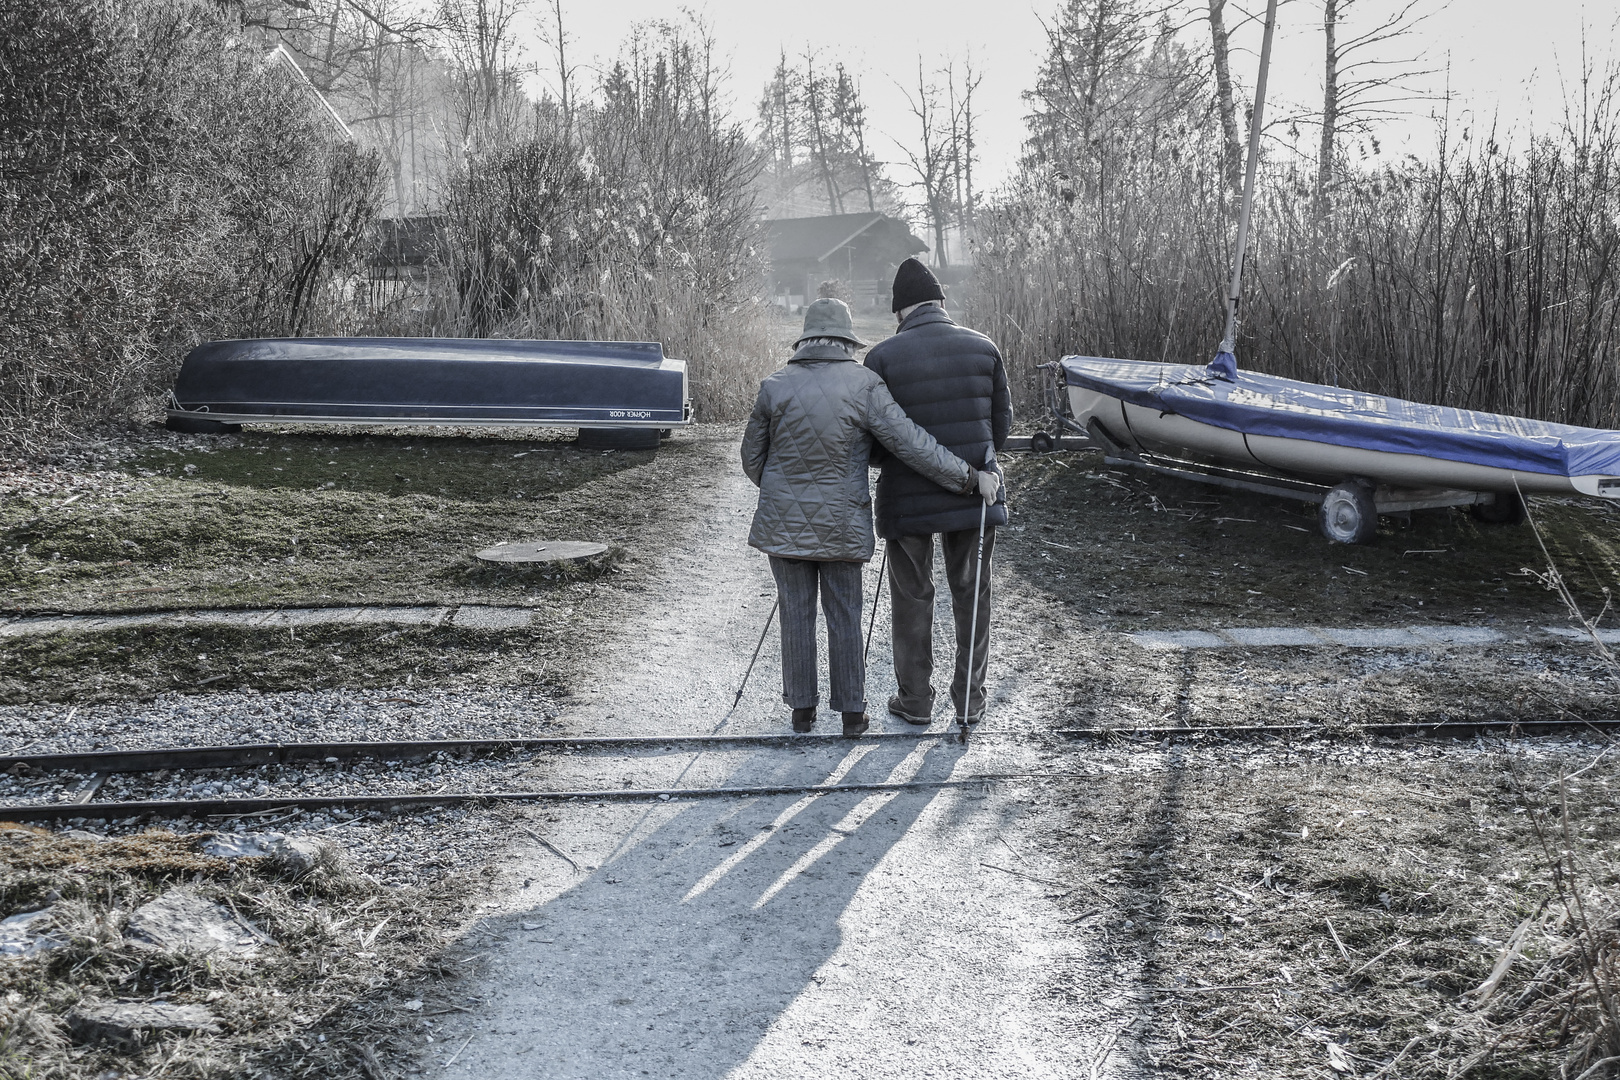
283, 519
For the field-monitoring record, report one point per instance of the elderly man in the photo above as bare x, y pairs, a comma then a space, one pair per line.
952, 382
807, 446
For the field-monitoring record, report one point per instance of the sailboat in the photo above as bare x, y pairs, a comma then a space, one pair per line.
1356, 454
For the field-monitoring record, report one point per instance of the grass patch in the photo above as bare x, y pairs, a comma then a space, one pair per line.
295, 519
140, 663
1163, 552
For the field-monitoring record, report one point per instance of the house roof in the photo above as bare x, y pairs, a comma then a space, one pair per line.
814, 239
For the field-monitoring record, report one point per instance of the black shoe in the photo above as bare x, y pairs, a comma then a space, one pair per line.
804, 719
855, 724
910, 718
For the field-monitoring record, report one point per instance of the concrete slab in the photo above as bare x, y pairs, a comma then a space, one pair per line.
46, 625
1608, 637
1178, 639
1271, 635
1372, 638
1459, 635
404, 616
308, 616
475, 617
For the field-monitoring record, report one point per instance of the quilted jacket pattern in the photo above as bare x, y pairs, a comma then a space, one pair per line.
807, 446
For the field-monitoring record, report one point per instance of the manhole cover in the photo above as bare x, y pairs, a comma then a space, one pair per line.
547, 551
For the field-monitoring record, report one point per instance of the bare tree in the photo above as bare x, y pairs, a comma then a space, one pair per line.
1360, 83
1115, 79
929, 159
849, 110
1221, 46
817, 114
554, 35
963, 148
813, 126
480, 37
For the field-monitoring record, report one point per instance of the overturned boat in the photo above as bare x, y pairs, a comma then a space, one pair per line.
1356, 454
628, 390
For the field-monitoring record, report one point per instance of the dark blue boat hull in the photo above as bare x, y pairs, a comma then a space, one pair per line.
432, 381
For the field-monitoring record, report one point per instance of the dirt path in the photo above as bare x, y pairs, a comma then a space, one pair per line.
842, 935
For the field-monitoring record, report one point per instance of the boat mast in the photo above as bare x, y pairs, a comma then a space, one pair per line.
1234, 294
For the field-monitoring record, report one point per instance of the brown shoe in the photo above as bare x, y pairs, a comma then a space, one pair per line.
855, 724
804, 719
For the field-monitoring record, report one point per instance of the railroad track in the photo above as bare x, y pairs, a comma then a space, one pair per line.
99, 764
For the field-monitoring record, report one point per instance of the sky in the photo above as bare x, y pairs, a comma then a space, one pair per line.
1501, 59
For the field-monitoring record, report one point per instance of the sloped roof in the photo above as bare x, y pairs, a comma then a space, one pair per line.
813, 239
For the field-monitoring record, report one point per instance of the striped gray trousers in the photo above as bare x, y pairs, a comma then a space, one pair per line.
840, 584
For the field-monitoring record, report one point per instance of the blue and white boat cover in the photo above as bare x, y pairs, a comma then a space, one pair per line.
1257, 404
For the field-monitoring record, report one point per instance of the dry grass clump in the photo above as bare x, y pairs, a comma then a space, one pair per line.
1570, 997
1480, 276
337, 947
1290, 915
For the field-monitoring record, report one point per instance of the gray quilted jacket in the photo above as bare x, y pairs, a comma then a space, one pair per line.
807, 446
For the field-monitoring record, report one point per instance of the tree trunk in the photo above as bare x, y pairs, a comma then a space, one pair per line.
814, 110
1223, 97
1330, 108
866, 163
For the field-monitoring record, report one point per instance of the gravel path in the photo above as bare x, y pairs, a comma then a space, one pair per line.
838, 935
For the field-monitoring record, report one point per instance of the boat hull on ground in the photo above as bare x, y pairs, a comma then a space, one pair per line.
1150, 425
432, 381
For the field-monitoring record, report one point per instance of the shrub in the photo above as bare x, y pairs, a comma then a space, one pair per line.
159, 185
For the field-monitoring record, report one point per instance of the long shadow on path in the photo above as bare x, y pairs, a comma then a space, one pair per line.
678, 957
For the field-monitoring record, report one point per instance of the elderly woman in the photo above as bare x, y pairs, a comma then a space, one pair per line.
806, 448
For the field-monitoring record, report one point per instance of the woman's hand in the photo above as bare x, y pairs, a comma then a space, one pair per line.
989, 485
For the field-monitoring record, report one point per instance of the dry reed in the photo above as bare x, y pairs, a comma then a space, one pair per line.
1484, 277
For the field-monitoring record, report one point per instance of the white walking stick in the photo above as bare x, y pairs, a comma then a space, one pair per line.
973, 630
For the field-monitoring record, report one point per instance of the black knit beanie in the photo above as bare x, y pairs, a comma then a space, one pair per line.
914, 283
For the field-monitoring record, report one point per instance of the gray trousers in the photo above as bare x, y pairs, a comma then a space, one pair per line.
797, 581
911, 593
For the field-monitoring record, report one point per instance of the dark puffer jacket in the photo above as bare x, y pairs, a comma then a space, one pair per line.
951, 381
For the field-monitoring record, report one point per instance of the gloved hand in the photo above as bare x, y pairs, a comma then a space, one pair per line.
989, 485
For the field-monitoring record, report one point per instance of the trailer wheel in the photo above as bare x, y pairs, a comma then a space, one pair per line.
1042, 442
1507, 509
196, 425
1349, 515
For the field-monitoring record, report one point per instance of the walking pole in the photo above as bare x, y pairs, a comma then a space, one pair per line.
876, 596
973, 630
763, 631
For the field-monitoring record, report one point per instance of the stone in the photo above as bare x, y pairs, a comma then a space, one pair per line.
181, 921
544, 551
299, 856
23, 935
129, 1025
294, 856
